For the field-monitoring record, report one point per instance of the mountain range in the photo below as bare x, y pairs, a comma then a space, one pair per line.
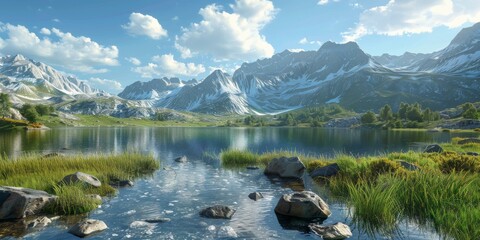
335, 73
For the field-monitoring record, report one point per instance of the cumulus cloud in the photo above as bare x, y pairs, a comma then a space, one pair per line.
414, 16
166, 66
322, 2
229, 35
63, 49
134, 61
144, 25
45, 31
106, 84
305, 41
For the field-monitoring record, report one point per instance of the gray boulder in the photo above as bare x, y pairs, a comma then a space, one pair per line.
255, 196
182, 159
87, 227
17, 202
327, 171
80, 177
469, 140
39, 222
218, 211
304, 204
434, 148
408, 166
335, 231
286, 167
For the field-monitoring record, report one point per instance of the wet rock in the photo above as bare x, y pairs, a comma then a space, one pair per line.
87, 227
54, 154
304, 204
182, 159
157, 220
121, 183
468, 140
327, 171
39, 222
408, 166
226, 232
218, 211
286, 167
335, 231
80, 177
17, 202
255, 196
434, 148
252, 167
472, 153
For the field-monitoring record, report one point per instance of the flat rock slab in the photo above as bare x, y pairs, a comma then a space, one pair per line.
304, 204
80, 177
17, 202
218, 211
87, 227
335, 231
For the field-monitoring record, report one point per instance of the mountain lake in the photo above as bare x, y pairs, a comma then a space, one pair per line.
180, 190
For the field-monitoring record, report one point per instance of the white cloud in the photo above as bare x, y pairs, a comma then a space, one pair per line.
63, 49
56, 20
322, 2
305, 41
229, 35
106, 84
45, 31
413, 17
175, 18
167, 66
134, 61
145, 25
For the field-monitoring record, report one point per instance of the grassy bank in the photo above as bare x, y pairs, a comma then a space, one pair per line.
444, 194
37, 172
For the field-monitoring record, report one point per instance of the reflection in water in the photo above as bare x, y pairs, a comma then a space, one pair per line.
183, 190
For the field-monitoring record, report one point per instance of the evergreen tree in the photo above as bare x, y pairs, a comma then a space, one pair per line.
29, 112
402, 111
386, 113
368, 117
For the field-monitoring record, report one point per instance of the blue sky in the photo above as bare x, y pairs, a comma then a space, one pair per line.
114, 43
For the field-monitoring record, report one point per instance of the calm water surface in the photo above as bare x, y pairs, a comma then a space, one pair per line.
182, 190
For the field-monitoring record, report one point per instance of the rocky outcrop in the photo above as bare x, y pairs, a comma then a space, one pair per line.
327, 171
304, 204
434, 148
335, 231
83, 178
87, 227
343, 122
17, 202
286, 167
218, 211
255, 196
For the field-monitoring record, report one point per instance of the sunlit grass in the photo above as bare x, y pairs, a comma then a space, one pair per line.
37, 172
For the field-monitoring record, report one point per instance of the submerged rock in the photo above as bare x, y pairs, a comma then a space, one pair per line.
335, 231
255, 196
182, 159
80, 177
327, 171
252, 167
157, 220
218, 211
286, 167
121, 183
434, 148
87, 227
304, 204
226, 232
39, 222
17, 202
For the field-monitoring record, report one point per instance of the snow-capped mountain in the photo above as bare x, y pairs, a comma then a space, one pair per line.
154, 89
336, 73
29, 80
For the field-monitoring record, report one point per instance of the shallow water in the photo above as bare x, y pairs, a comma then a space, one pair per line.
180, 190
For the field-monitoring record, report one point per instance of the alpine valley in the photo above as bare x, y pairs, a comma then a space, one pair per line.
336, 73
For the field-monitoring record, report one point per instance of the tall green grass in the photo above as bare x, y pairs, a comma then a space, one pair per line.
37, 172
